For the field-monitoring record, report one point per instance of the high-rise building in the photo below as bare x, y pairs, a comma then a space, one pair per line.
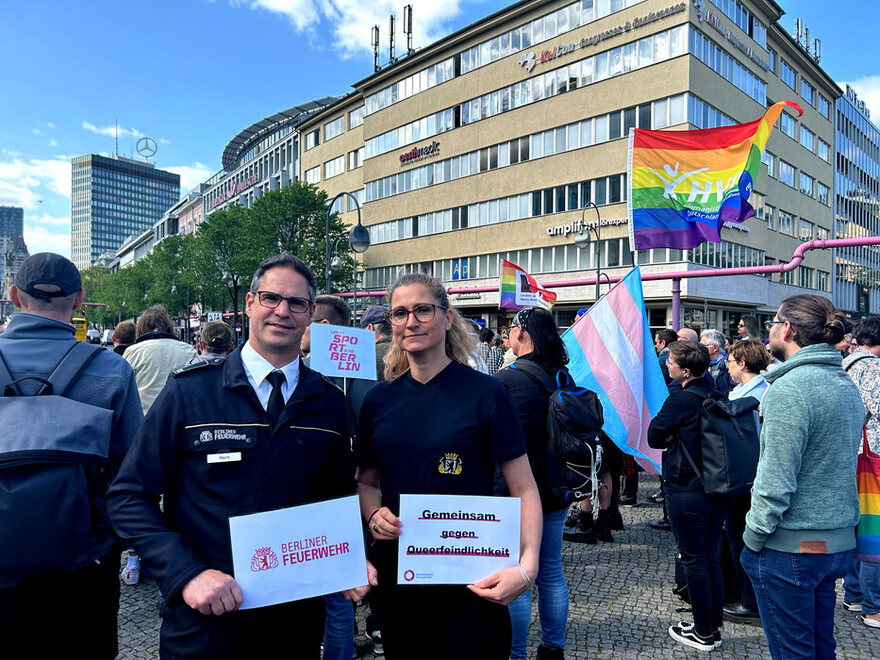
857, 206
11, 220
113, 198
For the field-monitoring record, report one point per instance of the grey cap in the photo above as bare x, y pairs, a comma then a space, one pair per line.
48, 268
373, 314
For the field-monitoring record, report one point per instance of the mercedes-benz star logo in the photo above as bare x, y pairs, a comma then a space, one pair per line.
146, 147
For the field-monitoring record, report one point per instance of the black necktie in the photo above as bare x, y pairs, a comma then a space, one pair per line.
276, 398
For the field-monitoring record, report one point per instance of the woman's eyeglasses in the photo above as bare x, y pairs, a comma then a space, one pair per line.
423, 313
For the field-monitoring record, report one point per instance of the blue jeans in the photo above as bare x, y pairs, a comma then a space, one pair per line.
861, 584
552, 594
339, 628
795, 594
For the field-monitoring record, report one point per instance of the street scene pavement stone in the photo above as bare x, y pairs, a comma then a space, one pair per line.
621, 604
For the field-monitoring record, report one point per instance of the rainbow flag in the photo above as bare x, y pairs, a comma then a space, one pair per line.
868, 479
684, 185
519, 289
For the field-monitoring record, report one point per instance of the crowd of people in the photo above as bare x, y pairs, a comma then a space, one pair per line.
194, 438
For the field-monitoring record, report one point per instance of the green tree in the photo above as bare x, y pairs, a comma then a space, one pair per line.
95, 281
294, 219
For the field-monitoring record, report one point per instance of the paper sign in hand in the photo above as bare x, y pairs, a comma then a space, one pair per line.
344, 352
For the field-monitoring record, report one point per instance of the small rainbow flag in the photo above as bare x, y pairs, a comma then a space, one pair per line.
684, 185
519, 289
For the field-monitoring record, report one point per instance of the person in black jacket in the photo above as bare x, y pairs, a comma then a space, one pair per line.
540, 354
696, 517
256, 432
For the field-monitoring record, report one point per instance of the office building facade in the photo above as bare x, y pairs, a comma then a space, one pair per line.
112, 199
11, 220
489, 143
857, 206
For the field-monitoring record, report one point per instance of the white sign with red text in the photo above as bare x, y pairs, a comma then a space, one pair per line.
344, 352
456, 539
298, 552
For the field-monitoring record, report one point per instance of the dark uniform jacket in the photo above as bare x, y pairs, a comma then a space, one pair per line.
210, 409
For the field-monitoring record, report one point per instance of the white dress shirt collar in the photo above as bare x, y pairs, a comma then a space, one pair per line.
257, 368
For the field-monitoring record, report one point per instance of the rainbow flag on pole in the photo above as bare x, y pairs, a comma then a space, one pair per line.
519, 289
684, 185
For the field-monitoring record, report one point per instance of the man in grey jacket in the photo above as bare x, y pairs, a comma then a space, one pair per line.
800, 531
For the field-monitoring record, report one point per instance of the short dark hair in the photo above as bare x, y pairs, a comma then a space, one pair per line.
155, 319
689, 354
333, 309
666, 335
486, 335
867, 331
125, 333
285, 260
752, 352
813, 319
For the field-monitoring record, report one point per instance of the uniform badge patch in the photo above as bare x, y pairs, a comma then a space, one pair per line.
450, 464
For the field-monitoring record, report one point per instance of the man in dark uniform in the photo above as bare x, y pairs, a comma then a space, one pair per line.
256, 432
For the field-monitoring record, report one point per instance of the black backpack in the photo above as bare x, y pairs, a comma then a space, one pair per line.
574, 430
53, 451
729, 443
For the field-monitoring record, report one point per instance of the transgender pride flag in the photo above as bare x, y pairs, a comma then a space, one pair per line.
611, 351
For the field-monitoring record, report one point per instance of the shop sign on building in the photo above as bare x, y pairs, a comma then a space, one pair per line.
234, 188
420, 153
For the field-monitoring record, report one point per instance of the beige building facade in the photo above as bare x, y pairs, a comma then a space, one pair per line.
490, 143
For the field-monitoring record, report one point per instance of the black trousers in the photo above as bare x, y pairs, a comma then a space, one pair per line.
59, 614
293, 630
697, 519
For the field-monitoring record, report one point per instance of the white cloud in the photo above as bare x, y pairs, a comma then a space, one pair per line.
165, 142
43, 239
25, 182
53, 143
36, 131
867, 88
111, 131
191, 175
352, 20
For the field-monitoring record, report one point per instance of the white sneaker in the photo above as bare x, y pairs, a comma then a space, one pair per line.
852, 607
131, 574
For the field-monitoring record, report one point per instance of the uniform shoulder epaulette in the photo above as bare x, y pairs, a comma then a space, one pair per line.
327, 380
197, 366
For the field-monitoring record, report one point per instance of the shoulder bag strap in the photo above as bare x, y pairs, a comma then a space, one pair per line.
531, 375
71, 366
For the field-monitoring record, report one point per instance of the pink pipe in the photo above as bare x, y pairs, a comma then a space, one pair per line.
796, 259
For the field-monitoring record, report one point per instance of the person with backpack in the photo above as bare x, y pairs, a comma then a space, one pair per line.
540, 357
59, 560
800, 530
696, 517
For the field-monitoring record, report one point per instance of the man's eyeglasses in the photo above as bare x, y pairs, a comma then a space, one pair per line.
294, 304
769, 324
423, 313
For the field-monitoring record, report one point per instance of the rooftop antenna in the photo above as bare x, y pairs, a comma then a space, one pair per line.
391, 40
817, 50
798, 29
807, 40
375, 41
407, 28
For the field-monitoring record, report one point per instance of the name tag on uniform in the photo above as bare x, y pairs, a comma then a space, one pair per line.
225, 457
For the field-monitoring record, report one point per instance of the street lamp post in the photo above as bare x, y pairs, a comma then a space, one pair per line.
582, 239
358, 241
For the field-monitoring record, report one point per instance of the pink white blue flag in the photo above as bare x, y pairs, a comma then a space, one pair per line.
611, 351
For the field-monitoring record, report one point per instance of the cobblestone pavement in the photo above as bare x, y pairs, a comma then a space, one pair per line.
621, 604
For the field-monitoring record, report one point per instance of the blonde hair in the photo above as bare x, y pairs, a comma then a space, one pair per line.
460, 344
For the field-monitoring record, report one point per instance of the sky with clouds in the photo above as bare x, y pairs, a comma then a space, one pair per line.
192, 73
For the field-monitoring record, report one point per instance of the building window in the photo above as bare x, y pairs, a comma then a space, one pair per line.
808, 138
356, 117
821, 281
805, 231
808, 92
770, 216
807, 184
334, 167
787, 74
824, 150
772, 60
334, 128
355, 158
824, 107
313, 175
786, 173
770, 161
313, 139
806, 277
786, 223
788, 125
822, 193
